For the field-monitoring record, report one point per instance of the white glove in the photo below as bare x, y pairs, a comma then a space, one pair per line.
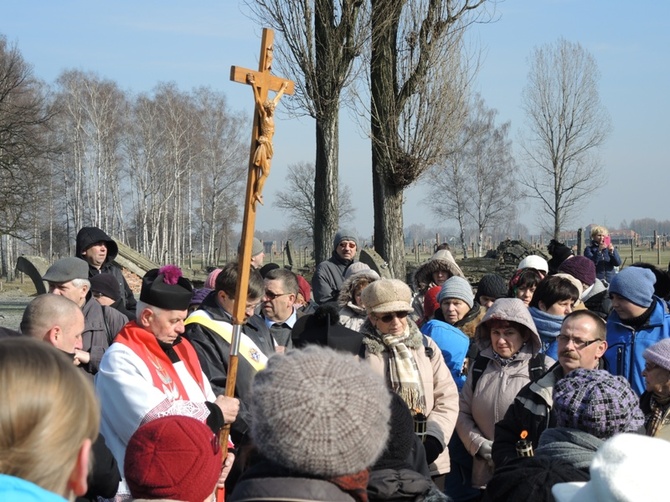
485, 450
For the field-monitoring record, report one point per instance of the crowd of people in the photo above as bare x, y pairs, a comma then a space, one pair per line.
550, 384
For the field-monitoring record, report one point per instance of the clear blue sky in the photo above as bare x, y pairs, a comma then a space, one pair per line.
138, 43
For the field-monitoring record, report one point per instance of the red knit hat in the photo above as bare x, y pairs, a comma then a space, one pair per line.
173, 457
430, 303
304, 287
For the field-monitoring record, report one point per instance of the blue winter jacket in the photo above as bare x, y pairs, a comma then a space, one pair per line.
454, 345
604, 261
626, 346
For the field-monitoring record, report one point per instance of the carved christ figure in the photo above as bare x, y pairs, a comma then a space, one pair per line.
264, 150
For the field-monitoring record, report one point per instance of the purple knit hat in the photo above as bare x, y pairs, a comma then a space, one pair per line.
659, 354
581, 268
596, 402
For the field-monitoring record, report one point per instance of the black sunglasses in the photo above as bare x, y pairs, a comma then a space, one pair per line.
389, 317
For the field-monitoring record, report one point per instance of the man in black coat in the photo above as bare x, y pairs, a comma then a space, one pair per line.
99, 250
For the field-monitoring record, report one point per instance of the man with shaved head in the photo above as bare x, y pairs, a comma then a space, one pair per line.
56, 320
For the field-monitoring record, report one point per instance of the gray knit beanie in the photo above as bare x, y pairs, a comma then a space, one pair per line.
457, 287
319, 412
659, 354
343, 235
635, 284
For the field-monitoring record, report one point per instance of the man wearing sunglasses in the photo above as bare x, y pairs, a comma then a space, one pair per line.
581, 344
329, 274
278, 306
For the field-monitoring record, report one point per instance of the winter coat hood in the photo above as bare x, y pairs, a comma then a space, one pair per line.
507, 309
88, 236
349, 286
441, 260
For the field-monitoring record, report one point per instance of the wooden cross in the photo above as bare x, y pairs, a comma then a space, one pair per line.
260, 157
260, 154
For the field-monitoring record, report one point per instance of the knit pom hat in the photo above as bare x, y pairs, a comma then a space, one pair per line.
596, 402
492, 285
457, 287
343, 235
387, 295
659, 354
173, 457
534, 261
319, 413
635, 284
430, 303
580, 267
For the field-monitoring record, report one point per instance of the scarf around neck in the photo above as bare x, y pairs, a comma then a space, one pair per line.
403, 370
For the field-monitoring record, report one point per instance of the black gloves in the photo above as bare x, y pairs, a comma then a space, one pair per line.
433, 448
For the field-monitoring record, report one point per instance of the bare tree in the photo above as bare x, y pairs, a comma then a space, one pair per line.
476, 185
25, 117
317, 43
417, 91
297, 200
494, 189
92, 117
566, 124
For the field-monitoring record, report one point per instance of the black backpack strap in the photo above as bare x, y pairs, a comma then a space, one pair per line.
536, 367
478, 368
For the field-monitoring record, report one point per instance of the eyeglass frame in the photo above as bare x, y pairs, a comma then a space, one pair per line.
273, 296
389, 316
577, 344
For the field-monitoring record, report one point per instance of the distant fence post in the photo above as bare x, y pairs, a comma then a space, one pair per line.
580, 241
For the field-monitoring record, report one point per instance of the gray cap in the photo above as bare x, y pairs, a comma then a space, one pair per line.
256, 247
67, 269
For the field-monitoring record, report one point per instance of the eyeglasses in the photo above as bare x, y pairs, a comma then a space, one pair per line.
351, 245
389, 317
270, 295
578, 344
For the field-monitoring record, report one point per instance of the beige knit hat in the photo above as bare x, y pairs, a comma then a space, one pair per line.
387, 295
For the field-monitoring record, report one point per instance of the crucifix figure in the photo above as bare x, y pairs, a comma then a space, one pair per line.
264, 150
264, 127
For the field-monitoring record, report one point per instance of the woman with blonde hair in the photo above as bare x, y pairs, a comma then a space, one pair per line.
47, 425
603, 254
